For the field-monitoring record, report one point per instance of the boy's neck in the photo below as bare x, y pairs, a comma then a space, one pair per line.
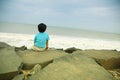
41, 32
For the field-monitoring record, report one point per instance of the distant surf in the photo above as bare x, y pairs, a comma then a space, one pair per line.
64, 42
60, 37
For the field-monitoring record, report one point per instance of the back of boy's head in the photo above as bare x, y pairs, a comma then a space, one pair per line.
42, 27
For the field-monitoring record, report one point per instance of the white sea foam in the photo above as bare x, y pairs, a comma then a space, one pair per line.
64, 42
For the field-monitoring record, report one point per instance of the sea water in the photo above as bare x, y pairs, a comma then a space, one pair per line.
60, 37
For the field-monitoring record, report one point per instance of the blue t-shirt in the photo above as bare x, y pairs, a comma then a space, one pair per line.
41, 39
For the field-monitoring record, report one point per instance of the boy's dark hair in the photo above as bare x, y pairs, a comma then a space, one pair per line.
42, 27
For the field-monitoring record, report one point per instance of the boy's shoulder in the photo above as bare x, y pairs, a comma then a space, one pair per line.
37, 34
45, 33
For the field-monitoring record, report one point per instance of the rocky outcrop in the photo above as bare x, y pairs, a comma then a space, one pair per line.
9, 62
71, 50
3, 45
57, 64
109, 59
30, 57
73, 67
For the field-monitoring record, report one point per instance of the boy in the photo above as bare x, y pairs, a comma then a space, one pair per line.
41, 39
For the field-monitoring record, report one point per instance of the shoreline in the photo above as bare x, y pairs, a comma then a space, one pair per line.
57, 41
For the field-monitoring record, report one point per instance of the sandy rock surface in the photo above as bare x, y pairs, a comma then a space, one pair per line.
9, 61
57, 64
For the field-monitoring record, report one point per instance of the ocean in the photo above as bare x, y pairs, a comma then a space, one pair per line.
17, 34
56, 30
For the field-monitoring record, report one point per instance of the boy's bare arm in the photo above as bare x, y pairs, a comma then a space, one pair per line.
46, 45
